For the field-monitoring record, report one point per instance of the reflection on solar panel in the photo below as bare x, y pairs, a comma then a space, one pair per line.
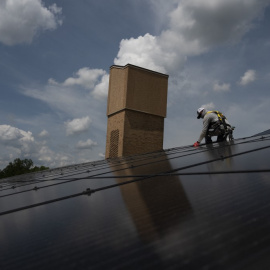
183, 208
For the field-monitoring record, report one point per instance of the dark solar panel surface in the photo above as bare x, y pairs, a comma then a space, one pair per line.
266, 132
183, 208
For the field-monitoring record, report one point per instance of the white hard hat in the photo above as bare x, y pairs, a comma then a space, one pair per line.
199, 111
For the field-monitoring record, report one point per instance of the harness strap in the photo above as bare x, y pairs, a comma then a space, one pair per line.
217, 125
221, 117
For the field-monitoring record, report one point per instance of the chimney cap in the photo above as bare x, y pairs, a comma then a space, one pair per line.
137, 67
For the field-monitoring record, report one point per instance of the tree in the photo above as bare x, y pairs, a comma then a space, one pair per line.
19, 166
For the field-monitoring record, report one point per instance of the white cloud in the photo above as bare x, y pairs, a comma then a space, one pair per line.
12, 134
208, 106
195, 27
248, 77
21, 20
143, 51
86, 144
72, 102
161, 10
224, 87
101, 155
101, 90
203, 24
60, 98
43, 133
15, 142
78, 125
45, 154
85, 77
48, 157
55, 10
96, 80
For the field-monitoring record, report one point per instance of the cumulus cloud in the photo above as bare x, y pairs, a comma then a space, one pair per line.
144, 51
15, 142
21, 20
101, 90
9, 134
78, 125
96, 80
248, 77
208, 106
43, 133
47, 156
223, 87
85, 77
195, 27
203, 24
86, 144
18, 143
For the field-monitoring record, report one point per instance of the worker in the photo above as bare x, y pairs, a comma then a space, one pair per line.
214, 124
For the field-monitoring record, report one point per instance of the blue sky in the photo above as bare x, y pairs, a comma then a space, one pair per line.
55, 58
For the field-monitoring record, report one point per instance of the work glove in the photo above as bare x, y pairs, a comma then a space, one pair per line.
196, 144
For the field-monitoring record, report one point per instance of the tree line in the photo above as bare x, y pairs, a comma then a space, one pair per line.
19, 166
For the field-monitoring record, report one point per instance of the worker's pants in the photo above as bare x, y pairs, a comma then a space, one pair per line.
220, 137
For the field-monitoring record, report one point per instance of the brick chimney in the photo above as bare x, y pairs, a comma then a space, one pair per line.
137, 105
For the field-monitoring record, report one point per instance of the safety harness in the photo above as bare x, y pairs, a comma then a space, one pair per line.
221, 117
220, 125
220, 128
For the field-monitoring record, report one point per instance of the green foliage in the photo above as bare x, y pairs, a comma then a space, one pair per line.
19, 166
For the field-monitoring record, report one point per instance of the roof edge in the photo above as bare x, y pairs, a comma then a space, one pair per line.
137, 67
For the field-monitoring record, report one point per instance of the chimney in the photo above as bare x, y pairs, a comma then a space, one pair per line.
137, 105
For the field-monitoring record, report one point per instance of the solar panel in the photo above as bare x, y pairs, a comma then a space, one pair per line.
266, 132
182, 208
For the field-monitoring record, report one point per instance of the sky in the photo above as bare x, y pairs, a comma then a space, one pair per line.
55, 59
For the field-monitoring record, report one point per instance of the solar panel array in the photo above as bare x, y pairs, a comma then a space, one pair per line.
182, 208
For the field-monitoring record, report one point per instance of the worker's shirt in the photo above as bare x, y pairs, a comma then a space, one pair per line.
209, 118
